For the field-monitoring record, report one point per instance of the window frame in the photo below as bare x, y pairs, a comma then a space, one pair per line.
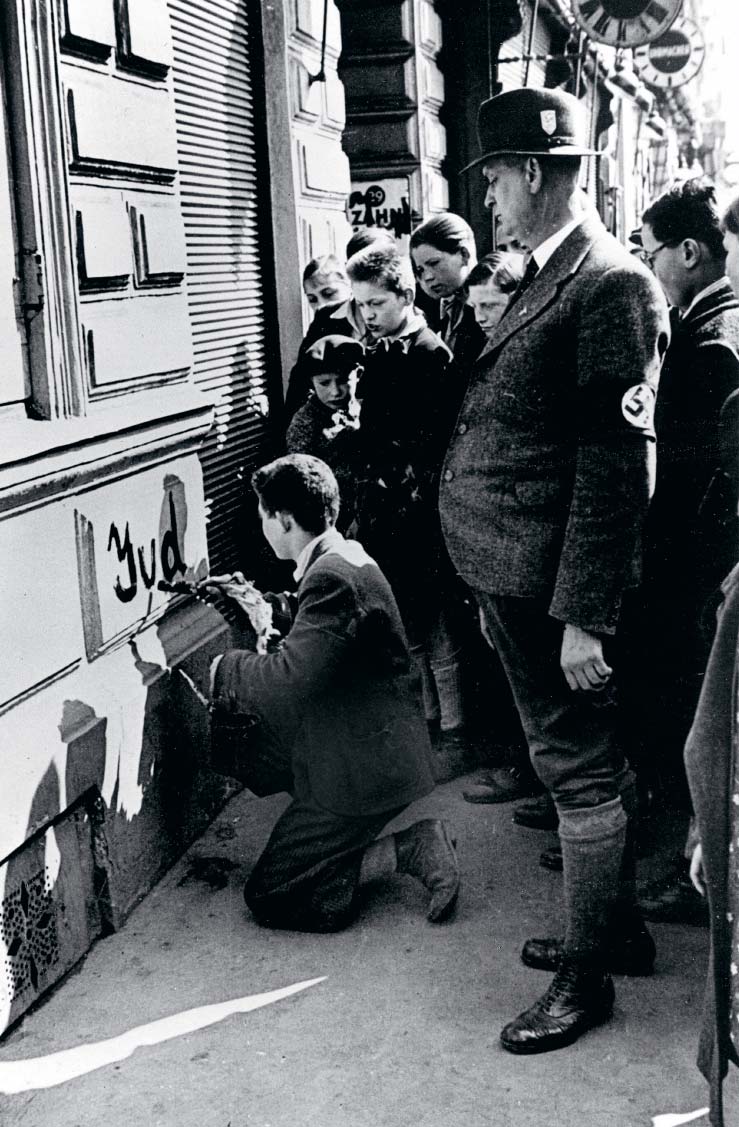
48, 289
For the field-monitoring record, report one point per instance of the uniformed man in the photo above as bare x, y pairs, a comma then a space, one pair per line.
545, 488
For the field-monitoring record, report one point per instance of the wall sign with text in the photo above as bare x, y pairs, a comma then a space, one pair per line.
133, 535
382, 203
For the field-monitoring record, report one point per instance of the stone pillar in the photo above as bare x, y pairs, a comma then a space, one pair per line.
395, 96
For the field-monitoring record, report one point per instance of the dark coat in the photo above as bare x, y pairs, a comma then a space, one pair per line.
467, 342
409, 401
548, 475
690, 543
341, 451
710, 754
339, 693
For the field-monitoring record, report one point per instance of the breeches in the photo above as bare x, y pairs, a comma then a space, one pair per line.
573, 737
308, 875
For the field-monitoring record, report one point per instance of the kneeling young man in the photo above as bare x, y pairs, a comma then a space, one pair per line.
339, 697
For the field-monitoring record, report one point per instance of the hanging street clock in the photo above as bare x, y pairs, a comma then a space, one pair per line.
674, 58
625, 23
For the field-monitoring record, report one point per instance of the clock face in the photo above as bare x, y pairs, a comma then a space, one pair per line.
626, 23
674, 58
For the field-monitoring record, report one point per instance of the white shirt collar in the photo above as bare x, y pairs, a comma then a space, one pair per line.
415, 321
330, 536
713, 288
545, 250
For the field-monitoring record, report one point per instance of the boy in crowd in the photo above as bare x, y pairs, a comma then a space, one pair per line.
490, 284
327, 290
409, 398
339, 698
328, 422
325, 283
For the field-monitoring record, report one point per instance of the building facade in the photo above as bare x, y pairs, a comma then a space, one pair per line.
155, 207
167, 168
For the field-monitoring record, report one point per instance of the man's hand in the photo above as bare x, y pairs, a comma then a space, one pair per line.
582, 660
250, 600
234, 586
484, 629
697, 872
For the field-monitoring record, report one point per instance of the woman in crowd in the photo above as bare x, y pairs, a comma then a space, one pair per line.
712, 761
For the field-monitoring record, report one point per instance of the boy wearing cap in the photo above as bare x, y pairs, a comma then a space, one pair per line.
327, 424
543, 496
340, 317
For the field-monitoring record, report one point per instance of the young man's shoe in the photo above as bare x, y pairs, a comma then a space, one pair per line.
453, 753
579, 997
552, 859
631, 955
537, 814
501, 784
426, 851
677, 902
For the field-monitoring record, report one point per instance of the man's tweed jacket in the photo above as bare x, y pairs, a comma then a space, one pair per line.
548, 475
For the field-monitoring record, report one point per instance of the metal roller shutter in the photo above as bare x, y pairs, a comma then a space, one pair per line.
214, 100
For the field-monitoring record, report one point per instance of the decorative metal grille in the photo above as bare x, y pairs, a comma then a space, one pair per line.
28, 923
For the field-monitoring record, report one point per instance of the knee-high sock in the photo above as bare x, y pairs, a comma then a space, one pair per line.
593, 841
627, 916
420, 664
448, 680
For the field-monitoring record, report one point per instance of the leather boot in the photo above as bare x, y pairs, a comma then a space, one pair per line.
426, 851
676, 901
579, 997
632, 954
502, 784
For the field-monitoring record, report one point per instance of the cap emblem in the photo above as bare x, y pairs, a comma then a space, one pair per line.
549, 121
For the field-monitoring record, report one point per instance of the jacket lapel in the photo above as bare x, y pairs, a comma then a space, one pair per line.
547, 284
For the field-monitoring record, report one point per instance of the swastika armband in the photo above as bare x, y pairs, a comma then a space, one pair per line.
605, 408
637, 406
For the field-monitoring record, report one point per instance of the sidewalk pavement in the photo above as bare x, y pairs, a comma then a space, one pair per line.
402, 1031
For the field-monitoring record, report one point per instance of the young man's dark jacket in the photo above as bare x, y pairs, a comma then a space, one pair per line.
691, 531
339, 693
711, 755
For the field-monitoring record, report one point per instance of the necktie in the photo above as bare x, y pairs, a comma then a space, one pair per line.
528, 276
450, 312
